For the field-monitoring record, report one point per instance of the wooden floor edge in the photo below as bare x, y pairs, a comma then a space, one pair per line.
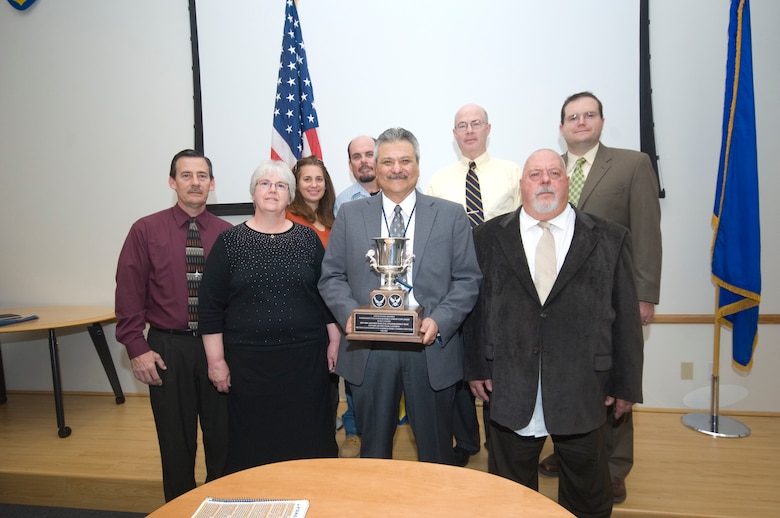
660, 410
683, 411
618, 512
49, 393
127, 495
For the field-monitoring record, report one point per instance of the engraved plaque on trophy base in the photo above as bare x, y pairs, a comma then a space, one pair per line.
386, 325
387, 317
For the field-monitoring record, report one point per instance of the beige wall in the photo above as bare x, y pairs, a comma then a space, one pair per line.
79, 166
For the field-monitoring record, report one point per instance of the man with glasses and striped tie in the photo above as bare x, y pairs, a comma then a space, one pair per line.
486, 187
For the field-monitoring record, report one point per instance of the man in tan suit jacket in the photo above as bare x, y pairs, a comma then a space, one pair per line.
621, 186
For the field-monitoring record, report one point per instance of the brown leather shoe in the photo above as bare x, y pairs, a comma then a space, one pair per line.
350, 448
550, 466
618, 490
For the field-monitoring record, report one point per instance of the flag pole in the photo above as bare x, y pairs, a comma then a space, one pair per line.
713, 423
736, 243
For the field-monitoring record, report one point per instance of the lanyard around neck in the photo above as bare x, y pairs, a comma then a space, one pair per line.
408, 221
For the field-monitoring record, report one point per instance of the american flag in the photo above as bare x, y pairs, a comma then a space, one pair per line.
295, 118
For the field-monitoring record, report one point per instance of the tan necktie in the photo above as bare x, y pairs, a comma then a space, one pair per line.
546, 269
577, 182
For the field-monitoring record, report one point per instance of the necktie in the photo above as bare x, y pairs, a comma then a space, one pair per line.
577, 182
195, 261
546, 267
398, 229
397, 226
473, 197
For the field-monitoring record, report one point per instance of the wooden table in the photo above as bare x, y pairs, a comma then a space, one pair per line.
374, 487
52, 318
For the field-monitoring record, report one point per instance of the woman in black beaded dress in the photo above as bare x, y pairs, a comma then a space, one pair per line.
270, 340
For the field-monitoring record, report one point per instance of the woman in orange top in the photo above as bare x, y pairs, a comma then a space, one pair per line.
313, 203
313, 207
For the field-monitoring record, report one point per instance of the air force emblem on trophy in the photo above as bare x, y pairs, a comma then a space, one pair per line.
387, 317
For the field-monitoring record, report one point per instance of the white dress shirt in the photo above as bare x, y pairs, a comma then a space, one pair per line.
408, 206
562, 229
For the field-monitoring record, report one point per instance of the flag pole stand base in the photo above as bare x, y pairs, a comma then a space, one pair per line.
715, 425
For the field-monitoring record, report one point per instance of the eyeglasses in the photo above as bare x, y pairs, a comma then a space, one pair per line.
266, 184
577, 117
475, 125
555, 175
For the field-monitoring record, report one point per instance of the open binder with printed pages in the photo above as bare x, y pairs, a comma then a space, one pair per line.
251, 508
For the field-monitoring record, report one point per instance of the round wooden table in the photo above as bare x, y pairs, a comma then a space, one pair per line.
52, 318
374, 487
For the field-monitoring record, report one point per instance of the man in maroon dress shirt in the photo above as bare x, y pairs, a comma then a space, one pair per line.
152, 288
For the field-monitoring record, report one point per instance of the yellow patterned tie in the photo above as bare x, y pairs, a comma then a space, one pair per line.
576, 182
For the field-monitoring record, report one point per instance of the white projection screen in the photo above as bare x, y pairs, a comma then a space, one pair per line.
413, 63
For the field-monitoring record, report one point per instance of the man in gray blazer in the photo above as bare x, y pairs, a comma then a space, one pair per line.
621, 186
551, 362
445, 281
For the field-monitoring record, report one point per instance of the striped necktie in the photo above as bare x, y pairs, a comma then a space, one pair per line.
398, 229
577, 182
546, 265
397, 226
473, 197
195, 262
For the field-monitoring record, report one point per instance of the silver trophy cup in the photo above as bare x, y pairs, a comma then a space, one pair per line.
388, 317
389, 259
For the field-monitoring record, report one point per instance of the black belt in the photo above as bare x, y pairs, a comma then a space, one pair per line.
177, 332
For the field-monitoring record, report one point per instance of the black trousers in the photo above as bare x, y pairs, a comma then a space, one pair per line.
584, 486
185, 397
466, 425
390, 371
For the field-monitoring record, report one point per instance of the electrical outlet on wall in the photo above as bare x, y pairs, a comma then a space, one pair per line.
686, 370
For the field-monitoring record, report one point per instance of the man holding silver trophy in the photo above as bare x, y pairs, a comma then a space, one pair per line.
437, 278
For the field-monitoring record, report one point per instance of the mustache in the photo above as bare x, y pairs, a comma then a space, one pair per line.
545, 189
397, 176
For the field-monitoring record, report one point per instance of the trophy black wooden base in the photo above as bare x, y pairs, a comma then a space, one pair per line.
386, 325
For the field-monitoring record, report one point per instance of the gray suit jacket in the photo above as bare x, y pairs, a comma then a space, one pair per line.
622, 187
445, 273
586, 340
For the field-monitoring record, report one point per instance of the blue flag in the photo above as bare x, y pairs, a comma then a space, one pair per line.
295, 125
21, 4
736, 246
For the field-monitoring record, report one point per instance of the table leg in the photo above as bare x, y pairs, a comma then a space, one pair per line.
64, 431
3, 397
101, 346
